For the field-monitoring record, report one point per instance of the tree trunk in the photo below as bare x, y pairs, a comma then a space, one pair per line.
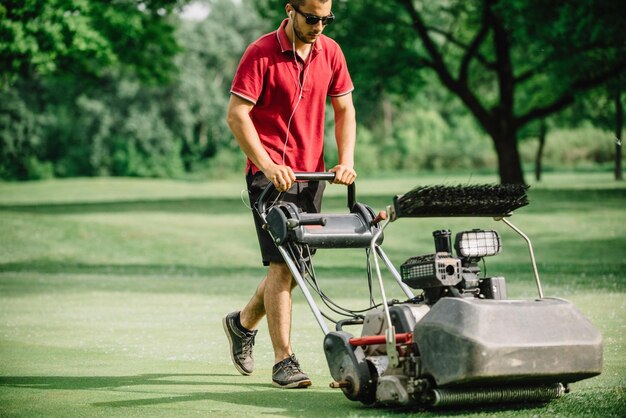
619, 123
543, 129
387, 118
509, 161
203, 134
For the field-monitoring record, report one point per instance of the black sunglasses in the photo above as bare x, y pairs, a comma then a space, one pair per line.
313, 20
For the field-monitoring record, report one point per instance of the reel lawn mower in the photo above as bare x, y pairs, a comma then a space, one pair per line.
460, 341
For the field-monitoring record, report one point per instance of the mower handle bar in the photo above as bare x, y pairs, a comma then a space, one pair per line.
304, 176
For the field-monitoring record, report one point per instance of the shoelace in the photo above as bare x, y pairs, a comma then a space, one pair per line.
247, 344
292, 366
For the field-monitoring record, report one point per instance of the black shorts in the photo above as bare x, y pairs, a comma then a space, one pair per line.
307, 195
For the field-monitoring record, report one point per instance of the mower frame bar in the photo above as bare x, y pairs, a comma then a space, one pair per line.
304, 176
401, 338
530, 250
396, 275
261, 205
376, 250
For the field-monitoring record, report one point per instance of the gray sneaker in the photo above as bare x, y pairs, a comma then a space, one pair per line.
241, 344
287, 374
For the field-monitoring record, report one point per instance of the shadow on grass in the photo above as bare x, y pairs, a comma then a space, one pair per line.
101, 382
44, 266
43, 276
216, 205
59, 267
563, 271
167, 270
206, 387
541, 201
195, 205
309, 402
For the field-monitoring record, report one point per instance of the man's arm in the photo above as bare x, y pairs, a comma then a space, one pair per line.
245, 133
345, 134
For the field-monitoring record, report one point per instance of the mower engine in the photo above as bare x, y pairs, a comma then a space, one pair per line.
462, 341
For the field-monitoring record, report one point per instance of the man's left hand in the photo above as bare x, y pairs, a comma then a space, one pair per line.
343, 174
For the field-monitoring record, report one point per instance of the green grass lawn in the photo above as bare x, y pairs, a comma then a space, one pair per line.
112, 293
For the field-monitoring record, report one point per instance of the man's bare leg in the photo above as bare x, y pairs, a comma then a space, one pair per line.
273, 298
254, 311
278, 309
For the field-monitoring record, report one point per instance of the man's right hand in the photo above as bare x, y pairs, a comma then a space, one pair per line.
281, 175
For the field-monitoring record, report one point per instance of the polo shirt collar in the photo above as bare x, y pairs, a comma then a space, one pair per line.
284, 42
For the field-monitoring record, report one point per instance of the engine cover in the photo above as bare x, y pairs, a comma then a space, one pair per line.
474, 341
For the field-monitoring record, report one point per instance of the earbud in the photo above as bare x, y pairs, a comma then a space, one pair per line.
291, 15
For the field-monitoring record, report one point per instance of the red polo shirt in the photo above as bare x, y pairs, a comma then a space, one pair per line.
268, 77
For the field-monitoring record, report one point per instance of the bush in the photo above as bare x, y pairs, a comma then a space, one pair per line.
226, 162
572, 148
424, 140
367, 153
21, 145
150, 148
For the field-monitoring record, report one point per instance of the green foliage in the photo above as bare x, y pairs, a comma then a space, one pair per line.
423, 140
84, 38
22, 134
45, 37
367, 155
138, 114
582, 147
509, 62
60, 61
147, 148
200, 97
126, 88
563, 44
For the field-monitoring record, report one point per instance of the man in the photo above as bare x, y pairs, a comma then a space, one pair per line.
276, 113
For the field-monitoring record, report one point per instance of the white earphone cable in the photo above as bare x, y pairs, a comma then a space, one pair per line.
300, 85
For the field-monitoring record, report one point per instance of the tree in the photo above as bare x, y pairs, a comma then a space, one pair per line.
54, 54
604, 107
566, 48
619, 128
84, 38
510, 62
200, 95
537, 129
151, 104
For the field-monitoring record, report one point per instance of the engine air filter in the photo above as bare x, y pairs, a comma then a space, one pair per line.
431, 270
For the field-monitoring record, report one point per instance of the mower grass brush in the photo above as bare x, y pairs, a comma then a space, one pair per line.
459, 341
472, 200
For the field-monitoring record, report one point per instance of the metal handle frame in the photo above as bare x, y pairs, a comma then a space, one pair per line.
261, 208
390, 333
261, 203
530, 250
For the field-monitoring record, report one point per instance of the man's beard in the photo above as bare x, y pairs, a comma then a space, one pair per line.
301, 36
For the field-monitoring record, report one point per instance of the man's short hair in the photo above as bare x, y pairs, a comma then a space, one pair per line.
300, 3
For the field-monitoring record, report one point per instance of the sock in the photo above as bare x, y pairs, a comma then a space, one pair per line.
239, 326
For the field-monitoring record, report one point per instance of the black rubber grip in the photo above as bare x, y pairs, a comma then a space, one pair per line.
313, 221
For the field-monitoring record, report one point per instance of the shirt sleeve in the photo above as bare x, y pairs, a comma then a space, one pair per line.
248, 80
341, 82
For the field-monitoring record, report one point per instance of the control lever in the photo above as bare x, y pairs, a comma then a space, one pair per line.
294, 223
